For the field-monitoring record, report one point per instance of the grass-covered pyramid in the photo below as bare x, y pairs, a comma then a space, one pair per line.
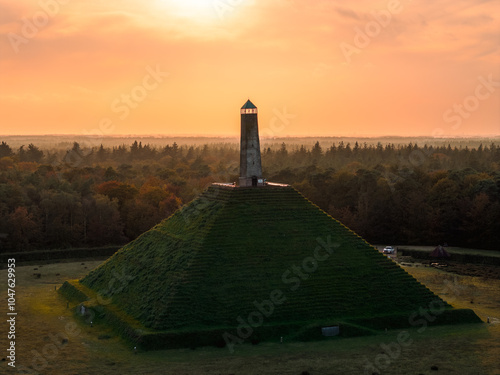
255, 263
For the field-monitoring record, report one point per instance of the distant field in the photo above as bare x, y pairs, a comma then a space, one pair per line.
456, 250
58, 255
66, 141
44, 316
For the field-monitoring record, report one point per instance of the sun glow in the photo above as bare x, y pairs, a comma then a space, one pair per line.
197, 10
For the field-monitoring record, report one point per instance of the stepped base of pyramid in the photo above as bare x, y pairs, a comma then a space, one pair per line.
146, 339
241, 264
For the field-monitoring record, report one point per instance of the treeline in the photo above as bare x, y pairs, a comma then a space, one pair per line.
388, 194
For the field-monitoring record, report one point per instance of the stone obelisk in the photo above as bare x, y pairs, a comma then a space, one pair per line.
250, 164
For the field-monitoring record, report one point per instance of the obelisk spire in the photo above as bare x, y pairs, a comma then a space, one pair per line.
250, 163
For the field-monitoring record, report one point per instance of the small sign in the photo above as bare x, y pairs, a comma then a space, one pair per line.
330, 331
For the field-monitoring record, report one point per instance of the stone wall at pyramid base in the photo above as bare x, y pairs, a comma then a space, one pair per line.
247, 330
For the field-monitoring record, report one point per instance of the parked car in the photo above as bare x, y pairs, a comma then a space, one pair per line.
388, 250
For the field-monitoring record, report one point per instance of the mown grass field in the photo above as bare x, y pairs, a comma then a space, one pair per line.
44, 317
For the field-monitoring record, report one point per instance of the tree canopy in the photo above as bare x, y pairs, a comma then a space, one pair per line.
407, 194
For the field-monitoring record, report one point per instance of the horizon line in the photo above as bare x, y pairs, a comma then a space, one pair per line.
443, 136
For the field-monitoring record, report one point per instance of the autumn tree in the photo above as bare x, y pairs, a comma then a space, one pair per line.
117, 190
23, 229
102, 221
5, 150
32, 154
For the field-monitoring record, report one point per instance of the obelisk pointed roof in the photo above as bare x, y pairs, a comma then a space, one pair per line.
248, 105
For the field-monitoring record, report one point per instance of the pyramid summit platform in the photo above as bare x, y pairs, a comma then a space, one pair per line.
244, 263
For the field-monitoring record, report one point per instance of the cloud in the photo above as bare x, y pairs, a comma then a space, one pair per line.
280, 51
345, 12
11, 11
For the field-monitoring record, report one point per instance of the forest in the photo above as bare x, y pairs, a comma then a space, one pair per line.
52, 198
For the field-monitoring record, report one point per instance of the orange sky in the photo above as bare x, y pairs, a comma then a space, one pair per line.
313, 67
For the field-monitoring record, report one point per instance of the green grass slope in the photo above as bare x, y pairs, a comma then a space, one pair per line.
215, 261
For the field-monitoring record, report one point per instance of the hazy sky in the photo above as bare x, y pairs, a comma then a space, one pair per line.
312, 67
